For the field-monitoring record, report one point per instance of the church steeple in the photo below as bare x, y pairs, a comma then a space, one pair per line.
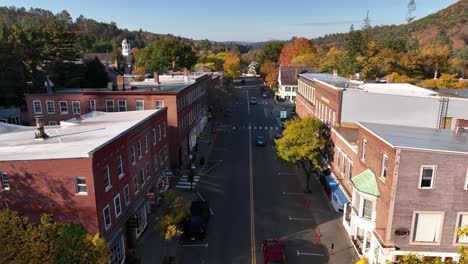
125, 48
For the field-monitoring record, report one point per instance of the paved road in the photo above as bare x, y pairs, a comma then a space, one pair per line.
253, 196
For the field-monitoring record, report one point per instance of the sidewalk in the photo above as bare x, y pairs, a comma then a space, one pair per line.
329, 224
151, 247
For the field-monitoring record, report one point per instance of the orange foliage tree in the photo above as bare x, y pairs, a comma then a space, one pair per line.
299, 46
269, 71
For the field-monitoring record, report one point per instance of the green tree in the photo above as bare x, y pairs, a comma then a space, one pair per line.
304, 142
164, 54
308, 60
270, 52
13, 233
174, 210
95, 73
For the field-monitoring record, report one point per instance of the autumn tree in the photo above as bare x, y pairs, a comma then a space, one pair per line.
445, 81
304, 142
165, 54
308, 60
395, 77
335, 59
269, 72
232, 66
174, 210
299, 46
435, 57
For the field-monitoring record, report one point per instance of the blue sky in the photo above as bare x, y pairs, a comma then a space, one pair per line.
241, 20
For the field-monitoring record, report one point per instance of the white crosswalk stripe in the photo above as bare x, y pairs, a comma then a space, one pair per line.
260, 128
185, 184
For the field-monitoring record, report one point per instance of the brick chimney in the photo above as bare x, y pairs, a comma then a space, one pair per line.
156, 77
120, 83
461, 124
335, 72
40, 132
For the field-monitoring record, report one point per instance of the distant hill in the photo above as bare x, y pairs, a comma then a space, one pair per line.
448, 26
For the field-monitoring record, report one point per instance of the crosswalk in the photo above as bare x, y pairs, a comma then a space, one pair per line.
254, 127
261, 103
184, 183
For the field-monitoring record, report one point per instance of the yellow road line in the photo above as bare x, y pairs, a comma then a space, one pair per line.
252, 212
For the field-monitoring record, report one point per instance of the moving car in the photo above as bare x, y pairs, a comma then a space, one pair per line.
264, 95
273, 252
260, 141
253, 100
195, 227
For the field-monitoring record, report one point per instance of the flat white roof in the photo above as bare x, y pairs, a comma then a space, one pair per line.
71, 139
397, 89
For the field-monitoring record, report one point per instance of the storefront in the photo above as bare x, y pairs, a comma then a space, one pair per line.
142, 219
117, 247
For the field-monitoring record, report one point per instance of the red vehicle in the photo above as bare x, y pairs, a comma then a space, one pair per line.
273, 252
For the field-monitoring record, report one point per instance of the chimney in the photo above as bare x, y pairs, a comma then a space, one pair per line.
186, 75
40, 132
335, 72
120, 83
156, 77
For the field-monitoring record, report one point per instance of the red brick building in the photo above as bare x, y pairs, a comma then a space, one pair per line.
184, 97
102, 171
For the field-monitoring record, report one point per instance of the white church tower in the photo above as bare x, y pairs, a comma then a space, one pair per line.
125, 48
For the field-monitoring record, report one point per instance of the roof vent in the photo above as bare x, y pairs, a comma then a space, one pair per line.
40, 132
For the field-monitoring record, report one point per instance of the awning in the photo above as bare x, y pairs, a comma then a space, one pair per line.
366, 182
340, 195
331, 182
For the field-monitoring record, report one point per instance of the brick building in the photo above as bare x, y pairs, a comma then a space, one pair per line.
343, 104
102, 171
184, 97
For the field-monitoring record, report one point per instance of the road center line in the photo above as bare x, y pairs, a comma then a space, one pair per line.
309, 254
252, 216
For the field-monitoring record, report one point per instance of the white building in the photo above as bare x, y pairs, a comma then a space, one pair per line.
287, 81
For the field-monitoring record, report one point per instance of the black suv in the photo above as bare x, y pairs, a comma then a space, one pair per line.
195, 227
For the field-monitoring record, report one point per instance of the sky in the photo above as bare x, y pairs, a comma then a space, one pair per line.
241, 20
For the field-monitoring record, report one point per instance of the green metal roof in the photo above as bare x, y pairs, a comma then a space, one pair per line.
366, 182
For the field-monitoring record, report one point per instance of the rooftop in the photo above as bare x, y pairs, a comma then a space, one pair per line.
335, 80
71, 139
420, 137
397, 88
288, 73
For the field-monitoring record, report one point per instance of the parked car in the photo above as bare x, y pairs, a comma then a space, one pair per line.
253, 100
260, 141
273, 252
264, 95
278, 135
195, 227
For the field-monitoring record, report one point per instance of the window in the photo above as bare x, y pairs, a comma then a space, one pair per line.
343, 166
164, 128
63, 107
122, 105
427, 227
148, 173
37, 107
50, 107
383, 173
350, 170
155, 159
142, 177
92, 105
462, 221
338, 159
140, 105
146, 144
107, 217
166, 156
132, 155
427, 177
117, 206
52, 123
160, 104
120, 167
107, 183
117, 251
154, 136
367, 209
135, 184
466, 181
109, 105
161, 158
287, 89
5, 184
76, 107
126, 195
159, 132
363, 153
140, 154
80, 185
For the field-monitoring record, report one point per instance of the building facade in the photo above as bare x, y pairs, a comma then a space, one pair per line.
103, 171
287, 81
183, 96
374, 173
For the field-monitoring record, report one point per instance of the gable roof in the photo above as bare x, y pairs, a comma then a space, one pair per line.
102, 57
366, 182
287, 73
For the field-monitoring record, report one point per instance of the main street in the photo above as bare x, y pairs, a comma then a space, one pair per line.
252, 195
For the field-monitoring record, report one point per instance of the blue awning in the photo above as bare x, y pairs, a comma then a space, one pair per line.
331, 182
340, 195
